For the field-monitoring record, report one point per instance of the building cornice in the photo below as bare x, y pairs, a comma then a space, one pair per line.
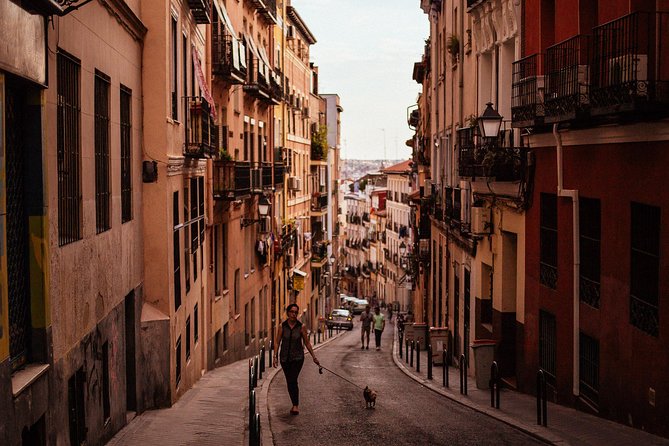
299, 23
126, 17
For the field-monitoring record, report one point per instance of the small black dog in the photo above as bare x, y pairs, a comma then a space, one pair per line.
370, 397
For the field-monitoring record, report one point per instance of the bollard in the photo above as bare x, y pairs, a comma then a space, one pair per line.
412, 349
542, 405
406, 351
463, 374
418, 356
271, 353
256, 425
255, 371
401, 341
445, 369
262, 359
252, 409
429, 361
494, 385
250, 374
261, 366
319, 335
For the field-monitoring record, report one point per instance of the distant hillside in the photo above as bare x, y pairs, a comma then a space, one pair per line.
355, 169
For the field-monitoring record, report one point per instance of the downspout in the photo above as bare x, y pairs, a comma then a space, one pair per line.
576, 232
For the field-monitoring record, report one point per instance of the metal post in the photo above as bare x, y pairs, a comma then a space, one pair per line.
262, 360
412, 348
401, 339
255, 371
418, 356
406, 351
319, 336
250, 374
256, 425
271, 353
542, 404
445, 370
463, 374
429, 361
252, 411
494, 385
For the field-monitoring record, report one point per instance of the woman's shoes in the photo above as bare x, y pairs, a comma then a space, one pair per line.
294, 411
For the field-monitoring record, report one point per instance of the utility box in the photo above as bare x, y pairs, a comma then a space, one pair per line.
439, 337
484, 355
420, 334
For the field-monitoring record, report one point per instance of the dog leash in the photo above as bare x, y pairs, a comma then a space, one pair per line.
320, 371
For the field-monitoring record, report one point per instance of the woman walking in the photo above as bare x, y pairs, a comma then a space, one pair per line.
291, 337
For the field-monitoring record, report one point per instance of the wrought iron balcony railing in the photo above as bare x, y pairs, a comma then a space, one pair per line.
496, 158
319, 202
201, 133
276, 86
527, 83
266, 9
225, 55
630, 65
231, 180
279, 174
201, 10
567, 82
257, 84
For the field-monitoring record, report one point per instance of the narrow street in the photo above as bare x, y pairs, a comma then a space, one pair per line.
332, 411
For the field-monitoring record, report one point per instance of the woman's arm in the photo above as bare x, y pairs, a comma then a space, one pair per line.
305, 338
277, 343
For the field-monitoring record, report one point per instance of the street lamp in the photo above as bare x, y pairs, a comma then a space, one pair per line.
263, 209
490, 122
403, 249
332, 259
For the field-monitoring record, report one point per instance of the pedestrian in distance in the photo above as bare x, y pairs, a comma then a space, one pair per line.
366, 319
291, 337
379, 324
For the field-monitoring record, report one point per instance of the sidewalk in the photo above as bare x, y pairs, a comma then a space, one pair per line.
565, 425
214, 412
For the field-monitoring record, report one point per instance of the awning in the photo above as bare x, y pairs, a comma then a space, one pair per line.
263, 67
299, 272
226, 19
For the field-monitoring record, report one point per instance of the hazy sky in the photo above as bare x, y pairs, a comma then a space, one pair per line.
365, 52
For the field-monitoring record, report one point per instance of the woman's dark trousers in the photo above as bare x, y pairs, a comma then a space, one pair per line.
292, 370
377, 337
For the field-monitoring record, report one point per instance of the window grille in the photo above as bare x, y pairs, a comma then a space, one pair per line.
645, 268
548, 241
547, 345
589, 368
102, 183
68, 152
176, 250
590, 251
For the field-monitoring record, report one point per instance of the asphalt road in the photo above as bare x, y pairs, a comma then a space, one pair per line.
332, 411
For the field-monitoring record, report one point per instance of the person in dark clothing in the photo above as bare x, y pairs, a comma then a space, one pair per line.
291, 337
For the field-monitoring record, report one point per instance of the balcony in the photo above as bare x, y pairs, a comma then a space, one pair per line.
201, 10
567, 80
276, 87
256, 80
225, 58
630, 65
493, 158
266, 9
526, 106
201, 133
319, 204
231, 180
279, 174
319, 255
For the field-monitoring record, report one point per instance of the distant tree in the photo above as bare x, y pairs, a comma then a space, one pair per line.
319, 143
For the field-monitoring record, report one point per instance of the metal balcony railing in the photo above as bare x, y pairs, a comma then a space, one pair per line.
225, 59
257, 84
527, 83
266, 9
266, 175
319, 202
201, 133
242, 179
496, 158
279, 174
630, 65
468, 165
567, 79
201, 10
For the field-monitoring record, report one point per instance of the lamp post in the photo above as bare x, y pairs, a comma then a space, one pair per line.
490, 122
263, 210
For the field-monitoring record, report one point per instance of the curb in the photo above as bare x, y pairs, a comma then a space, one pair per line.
535, 432
266, 431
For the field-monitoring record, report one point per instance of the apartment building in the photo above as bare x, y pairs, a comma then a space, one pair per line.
72, 209
596, 321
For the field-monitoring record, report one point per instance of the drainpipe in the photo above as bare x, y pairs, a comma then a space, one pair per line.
573, 194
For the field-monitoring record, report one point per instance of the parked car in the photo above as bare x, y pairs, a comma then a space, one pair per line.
340, 318
359, 306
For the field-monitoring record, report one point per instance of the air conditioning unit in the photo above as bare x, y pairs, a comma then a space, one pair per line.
629, 68
481, 220
295, 183
289, 261
290, 34
265, 224
256, 181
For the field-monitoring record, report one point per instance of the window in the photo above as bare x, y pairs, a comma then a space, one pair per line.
253, 318
174, 69
105, 382
125, 124
645, 268
187, 229
196, 324
236, 291
68, 152
178, 361
225, 336
216, 260
187, 338
590, 250
176, 250
217, 345
547, 345
548, 241
102, 186
247, 324
589, 368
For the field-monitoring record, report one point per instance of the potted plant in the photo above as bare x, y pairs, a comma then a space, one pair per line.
453, 47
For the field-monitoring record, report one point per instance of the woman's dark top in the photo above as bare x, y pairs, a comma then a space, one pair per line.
292, 348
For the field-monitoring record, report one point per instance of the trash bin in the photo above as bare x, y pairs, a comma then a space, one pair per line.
438, 342
420, 333
484, 355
